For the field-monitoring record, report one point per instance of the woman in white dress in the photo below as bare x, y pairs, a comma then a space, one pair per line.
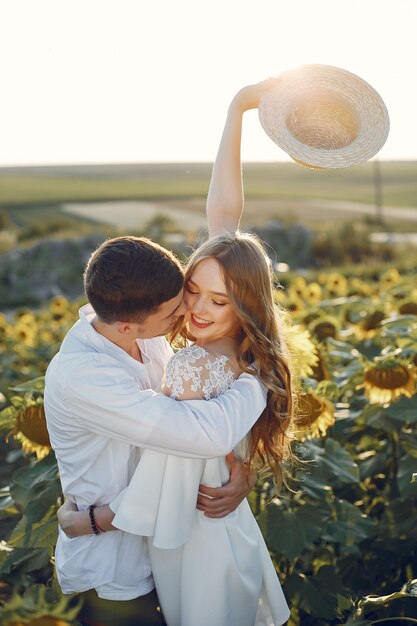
217, 571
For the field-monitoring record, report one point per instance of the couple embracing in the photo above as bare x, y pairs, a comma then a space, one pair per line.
143, 437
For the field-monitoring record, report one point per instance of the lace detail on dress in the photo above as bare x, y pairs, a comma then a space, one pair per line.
206, 373
219, 378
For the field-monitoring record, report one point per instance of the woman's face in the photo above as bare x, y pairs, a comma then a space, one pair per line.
210, 314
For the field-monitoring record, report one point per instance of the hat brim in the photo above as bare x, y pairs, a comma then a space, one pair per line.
324, 117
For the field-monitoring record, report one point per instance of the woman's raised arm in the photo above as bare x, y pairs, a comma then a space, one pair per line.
225, 198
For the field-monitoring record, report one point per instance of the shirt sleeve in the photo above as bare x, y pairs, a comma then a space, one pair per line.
105, 399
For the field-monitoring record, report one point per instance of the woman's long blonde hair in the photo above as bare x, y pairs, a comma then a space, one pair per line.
248, 279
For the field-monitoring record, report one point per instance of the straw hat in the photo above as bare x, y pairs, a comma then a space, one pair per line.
324, 117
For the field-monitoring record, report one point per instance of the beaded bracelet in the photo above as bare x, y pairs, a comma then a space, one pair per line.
92, 519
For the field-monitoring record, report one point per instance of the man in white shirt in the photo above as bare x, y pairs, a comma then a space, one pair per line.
100, 406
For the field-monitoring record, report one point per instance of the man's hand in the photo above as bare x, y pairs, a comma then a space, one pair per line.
76, 523
217, 502
65, 515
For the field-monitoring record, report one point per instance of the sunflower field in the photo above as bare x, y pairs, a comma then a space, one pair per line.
343, 534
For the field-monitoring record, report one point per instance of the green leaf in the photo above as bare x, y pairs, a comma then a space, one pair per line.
334, 464
406, 467
379, 463
318, 595
24, 560
401, 326
344, 603
403, 321
18, 402
338, 458
349, 526
380, 420
315, 486
328, 389
42, 534
288, 532
40, 601
404, 410
37, 385
7, 504
7, 418
399, 522
42, 497
342, 351
25, 479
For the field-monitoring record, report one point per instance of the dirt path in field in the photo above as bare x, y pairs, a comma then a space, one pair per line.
132, 214
189, 214
398, 213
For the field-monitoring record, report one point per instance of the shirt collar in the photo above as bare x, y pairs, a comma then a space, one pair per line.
104, 345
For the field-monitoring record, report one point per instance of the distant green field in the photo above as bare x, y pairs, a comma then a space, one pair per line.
161, 182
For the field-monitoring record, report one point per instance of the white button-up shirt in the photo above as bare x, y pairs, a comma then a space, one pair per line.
100, 407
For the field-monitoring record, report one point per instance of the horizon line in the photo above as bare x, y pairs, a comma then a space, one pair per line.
179, 162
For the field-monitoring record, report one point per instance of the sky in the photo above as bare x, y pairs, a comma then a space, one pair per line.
108, 81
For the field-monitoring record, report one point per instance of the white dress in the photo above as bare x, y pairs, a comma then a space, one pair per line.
207, 572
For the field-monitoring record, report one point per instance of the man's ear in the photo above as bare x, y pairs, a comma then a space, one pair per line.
124, 328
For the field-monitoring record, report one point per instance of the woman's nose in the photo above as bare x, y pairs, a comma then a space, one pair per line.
198, 305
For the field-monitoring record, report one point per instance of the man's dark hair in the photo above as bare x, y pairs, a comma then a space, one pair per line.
128, 278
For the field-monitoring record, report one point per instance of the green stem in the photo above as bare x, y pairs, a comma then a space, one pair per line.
389, 619
394, 444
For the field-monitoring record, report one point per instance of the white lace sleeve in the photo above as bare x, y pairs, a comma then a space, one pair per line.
195, 373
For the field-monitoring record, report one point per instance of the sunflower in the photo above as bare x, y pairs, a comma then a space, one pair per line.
387, 379
321, 371
22, 313
336, 285
303, 351
324, 327
26, 318
40, 606
41, 621
358, 287
30, 429
408, 307
4, 330
3, 321
371, 323
46, 337
58, 303
322, 278
24, 333
311, 316
294, 306
314, 415
390, 278
365, 323
312, 293
296, 290
58, 307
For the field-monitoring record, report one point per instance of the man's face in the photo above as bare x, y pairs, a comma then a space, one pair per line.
163, 320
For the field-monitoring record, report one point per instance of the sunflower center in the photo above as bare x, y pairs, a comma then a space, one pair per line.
392, 378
